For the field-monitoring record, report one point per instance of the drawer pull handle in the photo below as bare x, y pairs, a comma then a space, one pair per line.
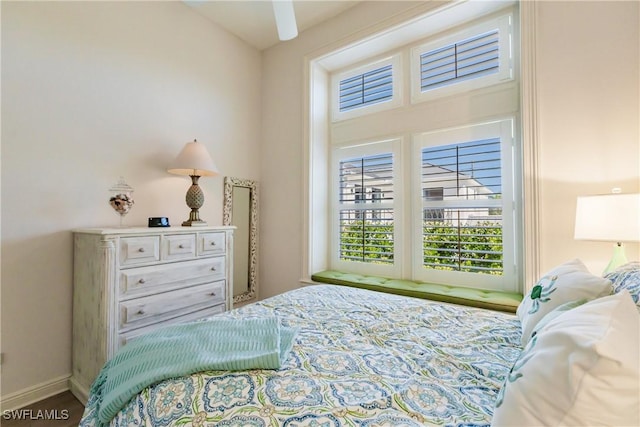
213, 294
213, 243
213, 269
141, 250
141, 281
140, 312
180, 246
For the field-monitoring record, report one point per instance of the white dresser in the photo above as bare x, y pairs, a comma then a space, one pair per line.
129, 281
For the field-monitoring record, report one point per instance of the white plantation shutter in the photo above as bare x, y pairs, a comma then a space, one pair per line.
366, 89
464, 207
466, 235
467, 59
365, 205
366, 209
475, 57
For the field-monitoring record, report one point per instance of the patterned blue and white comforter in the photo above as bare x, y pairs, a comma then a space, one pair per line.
361, 358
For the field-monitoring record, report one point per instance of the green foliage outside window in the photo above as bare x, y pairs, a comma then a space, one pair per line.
367, 241
476, 248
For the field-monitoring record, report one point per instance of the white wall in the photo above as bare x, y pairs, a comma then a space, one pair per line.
589, 99
92, 91
588, 122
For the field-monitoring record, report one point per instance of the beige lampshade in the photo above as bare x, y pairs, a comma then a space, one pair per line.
194, 160
610, 217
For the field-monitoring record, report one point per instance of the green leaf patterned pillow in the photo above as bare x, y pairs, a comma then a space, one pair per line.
567, 282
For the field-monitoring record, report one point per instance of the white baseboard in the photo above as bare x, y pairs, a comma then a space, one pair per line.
27, 396
80, 392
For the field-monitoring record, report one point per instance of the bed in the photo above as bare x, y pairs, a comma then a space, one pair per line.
342, 356
359, 358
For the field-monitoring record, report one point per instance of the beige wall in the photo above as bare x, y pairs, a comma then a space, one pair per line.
283, 138
589, 98
92, 91
587, 60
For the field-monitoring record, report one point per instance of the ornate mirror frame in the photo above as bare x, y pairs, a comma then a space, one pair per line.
252, 250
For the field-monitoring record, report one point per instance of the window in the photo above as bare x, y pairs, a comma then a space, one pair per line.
423, 188
463, 182
469, 236
465, 177
467, 59
365, 200
367, 89
476, 57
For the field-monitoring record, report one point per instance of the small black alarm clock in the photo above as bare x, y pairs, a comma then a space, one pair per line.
159, 221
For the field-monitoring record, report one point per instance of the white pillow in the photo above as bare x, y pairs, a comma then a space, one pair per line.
580, 369
562, 308
568, 282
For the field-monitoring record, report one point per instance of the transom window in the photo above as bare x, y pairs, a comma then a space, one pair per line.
467, 59
367, 89
478, 56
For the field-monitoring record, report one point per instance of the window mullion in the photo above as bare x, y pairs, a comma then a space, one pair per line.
456, 65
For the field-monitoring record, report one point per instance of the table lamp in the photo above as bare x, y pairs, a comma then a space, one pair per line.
194, 160
611, 218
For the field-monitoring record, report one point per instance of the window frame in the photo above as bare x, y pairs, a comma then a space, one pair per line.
363, 149
321, 133
503, 23
396, 100
505, 129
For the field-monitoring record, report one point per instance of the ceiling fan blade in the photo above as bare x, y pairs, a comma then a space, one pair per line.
285, 19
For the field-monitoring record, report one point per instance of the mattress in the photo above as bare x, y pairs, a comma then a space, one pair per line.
360, 358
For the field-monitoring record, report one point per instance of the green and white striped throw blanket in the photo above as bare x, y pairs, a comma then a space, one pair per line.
179, 350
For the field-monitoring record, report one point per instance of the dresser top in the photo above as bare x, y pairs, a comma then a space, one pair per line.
147, 230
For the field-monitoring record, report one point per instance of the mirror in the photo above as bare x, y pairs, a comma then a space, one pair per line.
241, 210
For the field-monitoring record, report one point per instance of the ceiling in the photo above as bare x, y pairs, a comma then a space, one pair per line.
254, 22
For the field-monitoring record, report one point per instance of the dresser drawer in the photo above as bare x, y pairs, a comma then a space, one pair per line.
139, 250
211, 243
141, 281
145, 311
178, 246
196, 315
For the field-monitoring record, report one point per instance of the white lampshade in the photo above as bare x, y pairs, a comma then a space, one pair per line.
285, 19
194, 160
611, 217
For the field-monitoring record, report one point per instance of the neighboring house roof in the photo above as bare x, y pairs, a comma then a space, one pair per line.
438, 174
438, 177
